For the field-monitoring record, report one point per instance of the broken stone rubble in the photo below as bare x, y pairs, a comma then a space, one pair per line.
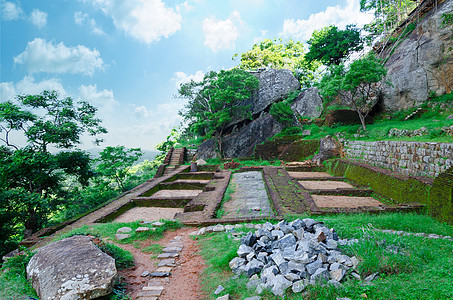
292, 255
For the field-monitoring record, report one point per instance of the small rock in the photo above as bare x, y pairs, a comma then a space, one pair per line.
172, 249
335, 283
194, 233
124, 230
158, 224
371, 277
159, 274
320, 236
356, 276
218, 228
122, 236
280, 285
450, 117
311, 268
142, 229
337, 274
253, 298
244, 250
145, 273
167, 263
252, 284
298, 286
219, 290
225, 297
168, 255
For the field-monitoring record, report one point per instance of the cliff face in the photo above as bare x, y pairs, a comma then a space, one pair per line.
422, 63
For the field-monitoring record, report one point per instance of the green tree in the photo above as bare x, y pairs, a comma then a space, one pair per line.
357, 87
32, 170
277, 54
330, 45
115, 163
387, 14
216, 101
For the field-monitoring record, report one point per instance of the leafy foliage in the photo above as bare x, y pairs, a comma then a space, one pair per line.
357, 87
282, 112
115, 163
330, 45
387, 14
216, 101
31, 177
277, 54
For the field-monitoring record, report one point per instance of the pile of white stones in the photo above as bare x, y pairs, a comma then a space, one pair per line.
294, 255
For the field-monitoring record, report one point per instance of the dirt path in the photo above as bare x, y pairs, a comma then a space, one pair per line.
184, 281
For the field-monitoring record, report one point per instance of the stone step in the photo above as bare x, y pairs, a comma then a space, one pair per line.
325, 185
334, 201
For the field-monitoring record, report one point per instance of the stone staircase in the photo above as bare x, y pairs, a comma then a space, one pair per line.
176, 159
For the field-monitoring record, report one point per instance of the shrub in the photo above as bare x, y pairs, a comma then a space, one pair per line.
282, 112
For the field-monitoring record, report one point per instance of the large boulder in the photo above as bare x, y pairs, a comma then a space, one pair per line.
70, 269
242, 142
422, 62
274, 85
328, 148
308, 103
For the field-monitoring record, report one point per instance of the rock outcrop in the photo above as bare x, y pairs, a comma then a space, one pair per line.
274, 85
422, 63
308, 103
73, 268
328, 148
242, 143
243, 135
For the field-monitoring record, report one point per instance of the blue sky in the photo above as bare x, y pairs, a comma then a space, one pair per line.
128, 57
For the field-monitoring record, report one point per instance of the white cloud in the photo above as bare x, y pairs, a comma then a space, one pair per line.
82, 18
28, 85
144, 20
220, 34
10, 11
340, 16
43, 56
181, 77
103, 100
38, 18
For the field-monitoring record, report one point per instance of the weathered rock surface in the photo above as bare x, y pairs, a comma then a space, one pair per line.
328, 148
422, 63
73, 268
242, 143
274, 85
292, 255
308, 103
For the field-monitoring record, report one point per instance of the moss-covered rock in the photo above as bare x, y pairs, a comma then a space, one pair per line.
437, 196
441, 197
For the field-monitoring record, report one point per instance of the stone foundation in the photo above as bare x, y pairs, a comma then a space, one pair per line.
408, 158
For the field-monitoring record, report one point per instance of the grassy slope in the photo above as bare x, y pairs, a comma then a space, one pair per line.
421, 270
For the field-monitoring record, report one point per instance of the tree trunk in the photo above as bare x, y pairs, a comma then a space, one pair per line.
362, 120
31, 225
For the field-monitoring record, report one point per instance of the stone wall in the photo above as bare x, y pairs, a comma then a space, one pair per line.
408, 158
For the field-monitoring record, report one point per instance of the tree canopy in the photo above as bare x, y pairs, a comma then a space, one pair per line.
331, 45
115, 162
388, 14
216, 100
278, 54
30, 175
357, 87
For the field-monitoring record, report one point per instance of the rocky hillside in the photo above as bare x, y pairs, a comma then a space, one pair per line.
422, 62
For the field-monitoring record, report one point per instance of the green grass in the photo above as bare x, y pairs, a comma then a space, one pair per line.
108, 230
433, 119
420, 268
13, 278
231, 188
